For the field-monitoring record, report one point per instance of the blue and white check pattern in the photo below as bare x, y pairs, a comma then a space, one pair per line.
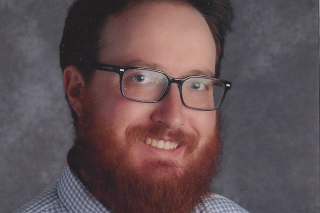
68, 195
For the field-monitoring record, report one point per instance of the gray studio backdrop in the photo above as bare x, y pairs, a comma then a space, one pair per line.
270, 117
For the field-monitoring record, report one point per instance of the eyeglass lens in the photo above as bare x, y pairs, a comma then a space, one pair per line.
150, 86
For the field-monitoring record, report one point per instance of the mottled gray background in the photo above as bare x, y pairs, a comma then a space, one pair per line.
270, 117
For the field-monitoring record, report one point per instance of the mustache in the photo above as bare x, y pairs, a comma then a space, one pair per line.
158, 132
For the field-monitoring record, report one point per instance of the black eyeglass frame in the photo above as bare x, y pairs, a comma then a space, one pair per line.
122, 69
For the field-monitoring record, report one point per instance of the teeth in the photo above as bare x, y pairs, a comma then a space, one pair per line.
175, 145
154, 143
167, 145
161, 144
148, 141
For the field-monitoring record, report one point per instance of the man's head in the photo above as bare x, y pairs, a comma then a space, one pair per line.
134, 156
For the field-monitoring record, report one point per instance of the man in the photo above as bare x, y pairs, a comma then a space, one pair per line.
141, 78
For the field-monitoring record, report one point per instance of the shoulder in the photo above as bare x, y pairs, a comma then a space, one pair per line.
47, 202
215, 203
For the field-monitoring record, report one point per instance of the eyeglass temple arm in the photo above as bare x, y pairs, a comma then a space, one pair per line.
107, 67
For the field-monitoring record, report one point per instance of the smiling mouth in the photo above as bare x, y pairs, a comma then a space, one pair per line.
160, 144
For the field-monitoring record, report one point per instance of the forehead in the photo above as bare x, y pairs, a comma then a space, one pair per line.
172, 36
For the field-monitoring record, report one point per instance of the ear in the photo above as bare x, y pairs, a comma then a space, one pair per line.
74, 85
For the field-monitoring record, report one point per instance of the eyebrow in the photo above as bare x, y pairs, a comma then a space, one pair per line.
202, 72
141, 63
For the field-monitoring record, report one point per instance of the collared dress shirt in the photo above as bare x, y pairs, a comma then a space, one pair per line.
68, 195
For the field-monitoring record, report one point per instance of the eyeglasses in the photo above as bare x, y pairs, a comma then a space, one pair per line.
148, 85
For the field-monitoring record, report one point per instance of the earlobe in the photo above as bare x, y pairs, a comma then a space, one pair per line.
74, 85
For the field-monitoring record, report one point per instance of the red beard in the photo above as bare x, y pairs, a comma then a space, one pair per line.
104, 167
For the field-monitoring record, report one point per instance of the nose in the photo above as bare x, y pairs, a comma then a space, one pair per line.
169, 111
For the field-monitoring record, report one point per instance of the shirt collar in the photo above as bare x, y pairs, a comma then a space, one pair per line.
74, 195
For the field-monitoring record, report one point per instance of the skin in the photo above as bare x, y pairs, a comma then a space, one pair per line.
146, 35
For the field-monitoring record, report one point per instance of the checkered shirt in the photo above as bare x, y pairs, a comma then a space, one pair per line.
68, 195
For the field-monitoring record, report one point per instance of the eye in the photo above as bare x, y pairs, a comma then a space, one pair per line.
142, 79
196, 85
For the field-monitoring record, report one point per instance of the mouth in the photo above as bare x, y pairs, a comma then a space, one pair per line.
160, 144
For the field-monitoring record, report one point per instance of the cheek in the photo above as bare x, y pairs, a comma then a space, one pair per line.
205, 122
126, 111
122, 113
102, 92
